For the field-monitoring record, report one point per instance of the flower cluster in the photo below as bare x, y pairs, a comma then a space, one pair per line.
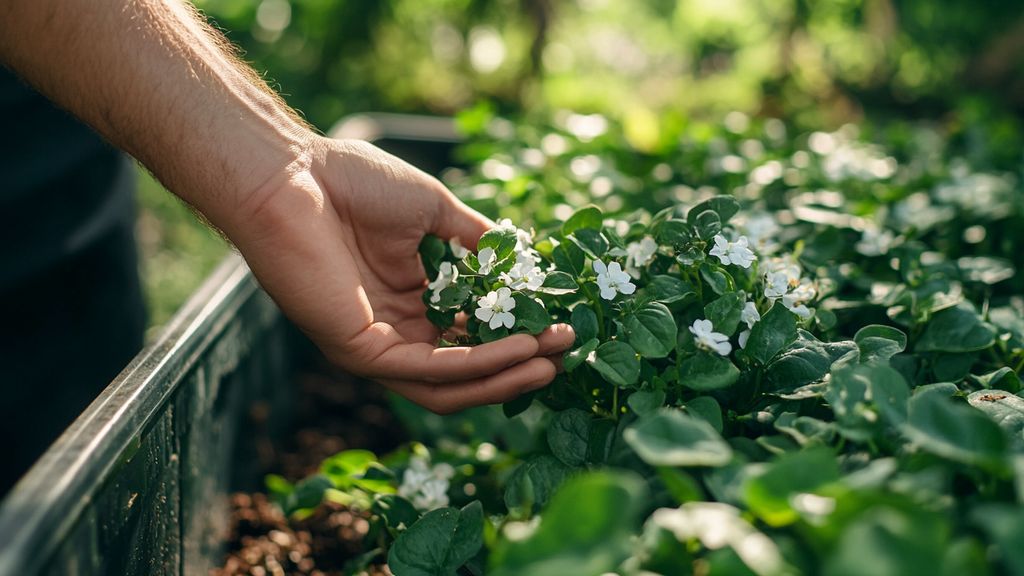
426, 486
783, 279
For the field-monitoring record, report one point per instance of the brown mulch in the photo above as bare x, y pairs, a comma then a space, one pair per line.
334, 413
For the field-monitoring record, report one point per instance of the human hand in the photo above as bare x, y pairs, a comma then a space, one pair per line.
335, 241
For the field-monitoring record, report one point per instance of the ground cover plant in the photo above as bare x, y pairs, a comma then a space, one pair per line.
796, 354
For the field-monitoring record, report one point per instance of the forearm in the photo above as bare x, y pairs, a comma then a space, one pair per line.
153, 79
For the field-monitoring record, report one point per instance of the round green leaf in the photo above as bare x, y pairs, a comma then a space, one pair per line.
651, 330
707, 371
725, 311
530, 314
439, 543
775, 331
671, 438
558, 283
617, 362
569, 435
878, 343
957, 329
956, 431
586, 217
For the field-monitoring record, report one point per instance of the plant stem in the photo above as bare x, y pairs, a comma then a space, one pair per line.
615, 403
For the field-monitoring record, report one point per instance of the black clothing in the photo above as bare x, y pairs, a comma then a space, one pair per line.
71, 308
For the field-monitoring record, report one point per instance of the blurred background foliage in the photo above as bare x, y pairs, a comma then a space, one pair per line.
652, 65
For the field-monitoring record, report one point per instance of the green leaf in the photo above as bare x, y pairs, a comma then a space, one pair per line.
725, 207
957, 329
886, 541
673, 232
569, 435
956, 431
643, 402
531, 484
951, 366
617, 362
572, 359
501, 240
558, 283
432, 252
308, 494
397, 512
569, 258
806, 361
1003, 524
518, 405
724, 312
719, 280
530, 314
706, 408
866, 396
668, 289
586, 217
454, 296
707, 371
707, 224
586, 530
584, 322
1002, 379
443, 319
769, 493
590, 241
1004, 408
680, 485
878, 343
669, 437
439, 543
488, 335
775, 331
651, 330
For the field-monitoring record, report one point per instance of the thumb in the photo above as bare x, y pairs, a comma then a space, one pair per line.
460, 221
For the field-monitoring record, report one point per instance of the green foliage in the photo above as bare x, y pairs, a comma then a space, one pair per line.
439, 543
810, 382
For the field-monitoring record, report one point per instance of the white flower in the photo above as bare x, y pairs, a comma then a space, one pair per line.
524, 275
717, 525
780, 275
612, 280
875, 242
487, 259
706, 337
737, 252
494, 308
750, 315
447, 274
743, 338
433, 494
506, 224
426, 487
638, 254
782, 280
776, 284
527, 258
797, 299
458, 250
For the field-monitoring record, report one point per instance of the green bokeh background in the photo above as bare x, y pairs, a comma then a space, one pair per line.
644, 62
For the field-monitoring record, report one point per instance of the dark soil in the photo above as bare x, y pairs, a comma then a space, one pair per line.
334, 413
